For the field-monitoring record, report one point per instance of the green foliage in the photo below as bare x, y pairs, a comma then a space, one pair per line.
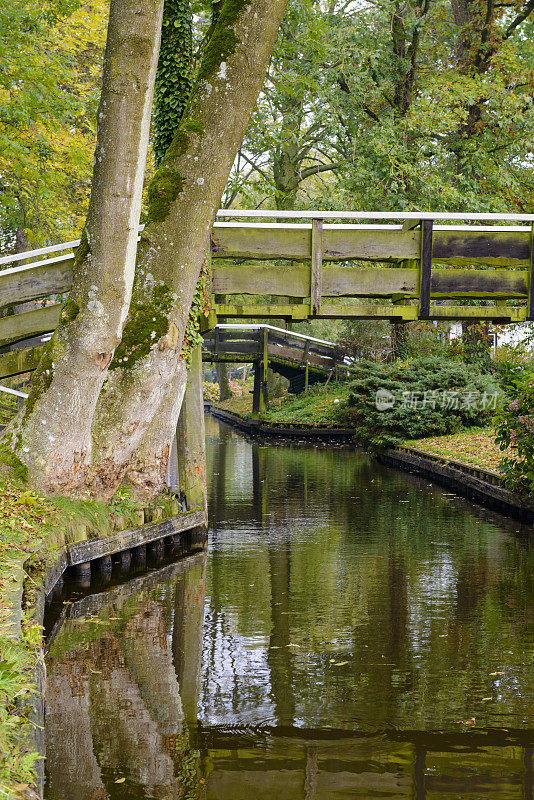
319, 406
200, 307
513, 364
432, 397
51, 54
174, 74
515, 430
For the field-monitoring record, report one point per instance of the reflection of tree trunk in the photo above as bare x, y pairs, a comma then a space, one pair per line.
187, 636
398, 606
529, 773
149, 659
419, 775
72, 766
217, 509
128, 739
280, 657
310, 785
470, 585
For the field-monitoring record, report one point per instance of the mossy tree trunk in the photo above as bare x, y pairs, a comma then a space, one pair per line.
53, 437
222, 379
138, 407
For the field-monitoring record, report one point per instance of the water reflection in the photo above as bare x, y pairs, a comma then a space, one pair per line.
122, 689
366, 634
362, 635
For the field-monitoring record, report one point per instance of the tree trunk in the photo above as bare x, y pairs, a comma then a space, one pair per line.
224, 384
476, 341
184, 196
53, 436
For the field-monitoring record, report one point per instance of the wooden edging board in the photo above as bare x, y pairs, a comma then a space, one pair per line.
281, 431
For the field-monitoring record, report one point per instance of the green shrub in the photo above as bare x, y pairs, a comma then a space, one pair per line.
513, 364
515, 430
419, 398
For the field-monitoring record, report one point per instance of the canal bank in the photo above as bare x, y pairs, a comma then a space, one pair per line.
482, 486
363, 634
50, 540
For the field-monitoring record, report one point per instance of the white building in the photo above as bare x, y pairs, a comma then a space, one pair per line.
513, 333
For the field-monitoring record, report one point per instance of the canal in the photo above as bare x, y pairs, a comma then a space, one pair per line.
351, 632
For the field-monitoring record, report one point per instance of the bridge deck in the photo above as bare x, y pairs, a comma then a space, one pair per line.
399, 267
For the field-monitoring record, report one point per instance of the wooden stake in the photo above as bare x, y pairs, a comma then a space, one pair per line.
317, 249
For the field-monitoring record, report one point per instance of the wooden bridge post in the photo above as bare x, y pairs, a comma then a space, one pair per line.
307, 365
316, 282
425, 272
260, 395
190, 438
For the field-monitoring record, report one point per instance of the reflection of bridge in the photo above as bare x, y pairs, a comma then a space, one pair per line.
303, 360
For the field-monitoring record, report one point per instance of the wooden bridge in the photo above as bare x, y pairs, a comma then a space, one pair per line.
303, 360
370, 265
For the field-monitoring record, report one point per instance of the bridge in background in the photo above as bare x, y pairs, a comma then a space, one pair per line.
303, 360
399, 267
296, 266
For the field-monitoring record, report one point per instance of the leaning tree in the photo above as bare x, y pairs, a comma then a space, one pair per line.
105, 399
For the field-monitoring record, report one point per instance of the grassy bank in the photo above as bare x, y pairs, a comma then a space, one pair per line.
474, 447
323, 407
33, 529
318, 407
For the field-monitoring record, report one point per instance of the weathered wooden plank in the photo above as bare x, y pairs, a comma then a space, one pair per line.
495, 313
90, 549
368, 311
261, 279
257, 311
466, 247
317, 250
425, 269
479, 283
492, 248
263, 243
20, 284
341, 281
16, 362
278, 241
369, 245
30, 323
243, 346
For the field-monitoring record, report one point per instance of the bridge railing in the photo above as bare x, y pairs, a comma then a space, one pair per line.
249, 343
397, 266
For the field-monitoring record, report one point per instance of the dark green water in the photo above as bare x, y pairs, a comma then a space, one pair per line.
352, 632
